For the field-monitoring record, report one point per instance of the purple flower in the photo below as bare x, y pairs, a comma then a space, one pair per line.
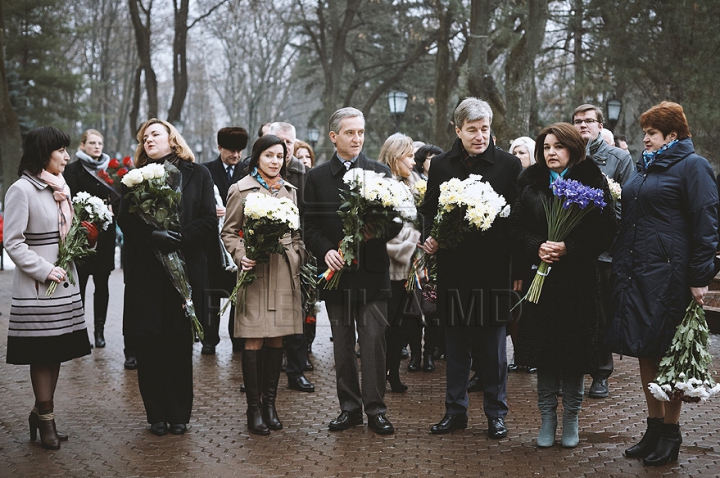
574, 192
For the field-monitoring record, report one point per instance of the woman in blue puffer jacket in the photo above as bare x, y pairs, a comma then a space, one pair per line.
662, 257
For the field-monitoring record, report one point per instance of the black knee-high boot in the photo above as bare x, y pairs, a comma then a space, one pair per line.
251, 364
271, 377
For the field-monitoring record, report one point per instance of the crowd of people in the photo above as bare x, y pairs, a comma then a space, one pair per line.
620, 280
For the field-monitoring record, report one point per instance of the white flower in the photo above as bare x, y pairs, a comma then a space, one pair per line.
132, 178
658, 392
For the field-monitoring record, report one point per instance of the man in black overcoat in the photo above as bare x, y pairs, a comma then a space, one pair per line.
361, 298
295, 345
474, 279
225, 171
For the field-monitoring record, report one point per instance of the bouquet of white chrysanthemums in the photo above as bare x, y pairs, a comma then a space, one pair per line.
266, 220
463, 206
89, 214
684, 372
373, 205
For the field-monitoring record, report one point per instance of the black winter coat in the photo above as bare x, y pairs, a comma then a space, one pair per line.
151, 303
79, 179
666, 244
561, 331
478, 271
323, 230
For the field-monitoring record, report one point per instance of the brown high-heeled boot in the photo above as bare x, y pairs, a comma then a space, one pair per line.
33, 420
46, 424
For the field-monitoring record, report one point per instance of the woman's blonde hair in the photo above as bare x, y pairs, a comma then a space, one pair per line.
396, 146
176, 141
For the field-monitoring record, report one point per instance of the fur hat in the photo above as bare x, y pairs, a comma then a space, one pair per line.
232, 138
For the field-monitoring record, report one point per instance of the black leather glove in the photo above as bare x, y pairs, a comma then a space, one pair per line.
166, 241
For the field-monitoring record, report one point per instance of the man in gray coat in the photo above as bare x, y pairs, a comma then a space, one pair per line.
617, 164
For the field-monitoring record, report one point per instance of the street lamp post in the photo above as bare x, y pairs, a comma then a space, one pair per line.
199, 151
613, 107
397, 101
313, 137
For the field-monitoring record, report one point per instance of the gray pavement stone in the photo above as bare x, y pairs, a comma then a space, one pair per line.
98, 404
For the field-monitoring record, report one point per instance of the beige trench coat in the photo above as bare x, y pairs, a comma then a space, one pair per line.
273, 305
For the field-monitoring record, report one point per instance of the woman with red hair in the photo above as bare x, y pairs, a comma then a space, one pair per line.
662, 259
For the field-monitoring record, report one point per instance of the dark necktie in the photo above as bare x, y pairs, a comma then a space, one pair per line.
229, 174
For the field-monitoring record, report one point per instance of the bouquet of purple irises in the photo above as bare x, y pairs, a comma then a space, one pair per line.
571, 202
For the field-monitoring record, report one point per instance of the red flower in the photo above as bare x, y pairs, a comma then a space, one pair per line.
114, 163
102, 174
122, 172
127, 161
240, 233
110, 181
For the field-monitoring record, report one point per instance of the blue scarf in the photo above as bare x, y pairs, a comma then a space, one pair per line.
649, 157
554, 175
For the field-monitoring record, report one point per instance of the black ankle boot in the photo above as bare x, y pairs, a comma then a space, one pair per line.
396, 385
415, 362
271, 376
668, 446
100, 333
252, 379
649, 440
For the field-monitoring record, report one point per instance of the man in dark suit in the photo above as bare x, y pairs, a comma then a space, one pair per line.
224, 171
295, 345
361, 298
473, 279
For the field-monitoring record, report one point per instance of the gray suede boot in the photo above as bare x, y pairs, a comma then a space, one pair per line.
548, 382
573, 389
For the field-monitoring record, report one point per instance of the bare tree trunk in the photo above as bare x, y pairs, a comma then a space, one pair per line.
10, 138
480, 83
142, 39
180, 75
519, 72
577, 31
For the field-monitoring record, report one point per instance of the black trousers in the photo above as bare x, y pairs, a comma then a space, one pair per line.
165, 375
604, 359
101, 297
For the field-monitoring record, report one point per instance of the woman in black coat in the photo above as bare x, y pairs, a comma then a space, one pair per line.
82, 176
662, 259
560, 333
153, 310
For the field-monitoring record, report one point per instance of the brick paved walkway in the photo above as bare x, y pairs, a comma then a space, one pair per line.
98, 404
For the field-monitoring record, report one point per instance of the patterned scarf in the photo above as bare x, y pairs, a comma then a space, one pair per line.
649, 157
61, 193
271, 184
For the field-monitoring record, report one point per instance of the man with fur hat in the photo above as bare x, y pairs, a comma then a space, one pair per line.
225, 171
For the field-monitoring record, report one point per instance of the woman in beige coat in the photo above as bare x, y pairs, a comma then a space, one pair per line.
404, 312
273, 306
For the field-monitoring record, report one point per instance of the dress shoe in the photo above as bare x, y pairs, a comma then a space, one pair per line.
242, 388
475, 383
404, 353
414, 364
159, 428
208, 350
599, 388
428, 363
530, 369
178, 428
381, 424
346, 420
512, 367
130, 363
497, 428
449, 423
301, 384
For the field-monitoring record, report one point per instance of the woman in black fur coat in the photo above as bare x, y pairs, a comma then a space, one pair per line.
560, 333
